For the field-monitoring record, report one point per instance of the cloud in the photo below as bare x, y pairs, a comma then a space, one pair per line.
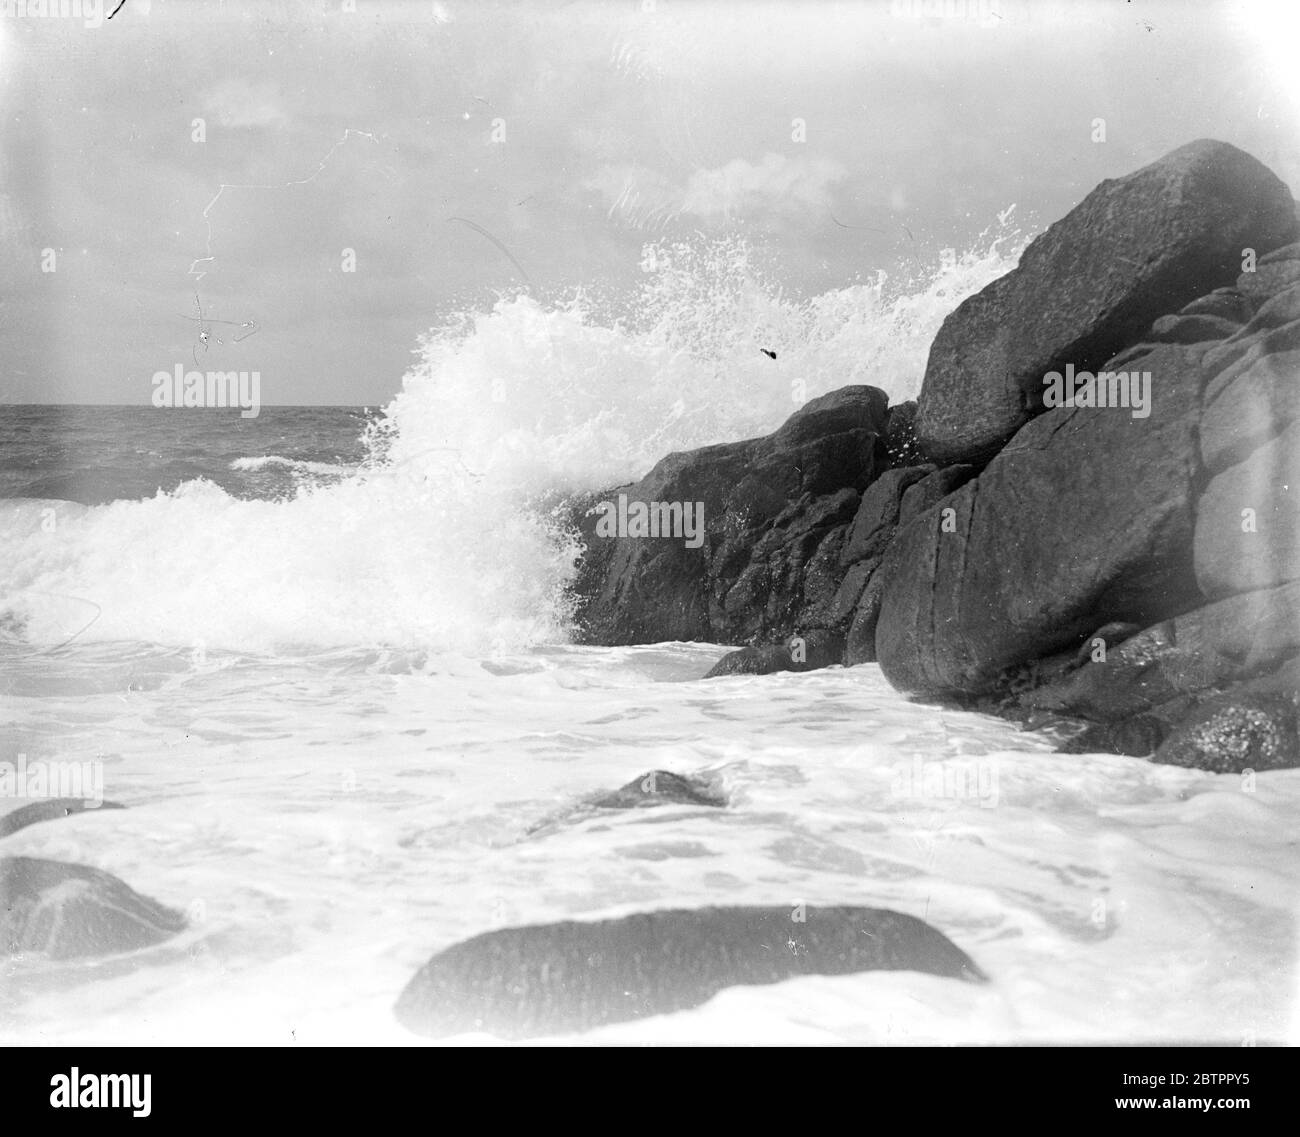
777, 187
236, 103
777, 184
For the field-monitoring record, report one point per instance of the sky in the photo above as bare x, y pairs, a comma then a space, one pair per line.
329, 179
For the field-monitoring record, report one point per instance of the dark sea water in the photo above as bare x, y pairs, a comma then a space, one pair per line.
94, 454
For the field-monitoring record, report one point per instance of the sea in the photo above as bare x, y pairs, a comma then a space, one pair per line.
325, 656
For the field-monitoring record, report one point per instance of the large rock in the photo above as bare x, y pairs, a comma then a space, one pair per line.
575, 976
1084, 519
1250, 726
878, 513
1214, 646
770, 504
1248, 521
1134, 249
1248, 518
67, 911
793, 571
893, 499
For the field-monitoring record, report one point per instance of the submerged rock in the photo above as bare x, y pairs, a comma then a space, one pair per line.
661, 787
1138, 737
66, 911
49, 810
1236, 732
575, 976
818, 648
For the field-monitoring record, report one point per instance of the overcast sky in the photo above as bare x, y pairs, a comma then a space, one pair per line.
572, 133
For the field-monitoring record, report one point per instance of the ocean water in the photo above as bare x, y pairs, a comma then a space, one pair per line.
324, 656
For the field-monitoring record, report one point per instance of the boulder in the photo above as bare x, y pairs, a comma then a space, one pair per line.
818, 648
1248, 404
1211, 647
877, 516
1248, 520
562, 978
1228, 303
768, 506
1134, 249
1085, 518
66, 911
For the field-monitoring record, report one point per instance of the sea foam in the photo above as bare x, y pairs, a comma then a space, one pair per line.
448, 537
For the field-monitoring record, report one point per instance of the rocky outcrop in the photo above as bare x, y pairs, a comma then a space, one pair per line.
1136, 248
561, 978
774, 511
1126, 552
1085, 518
1209, 648
1183, 523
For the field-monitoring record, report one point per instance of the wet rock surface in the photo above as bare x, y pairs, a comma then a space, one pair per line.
574, 976
66, 911
661, 787
1135, 249
49, 809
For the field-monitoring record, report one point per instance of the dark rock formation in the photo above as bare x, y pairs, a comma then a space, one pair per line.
1139, 736
1131, 558
1086, 517
1134, 249
1211, 647
661, 787
819, 648
567, 977
1236, 732
901, 445
770, 505
48, 809
65, 911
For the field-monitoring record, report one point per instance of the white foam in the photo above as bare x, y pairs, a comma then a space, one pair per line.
297, 465
444, 539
